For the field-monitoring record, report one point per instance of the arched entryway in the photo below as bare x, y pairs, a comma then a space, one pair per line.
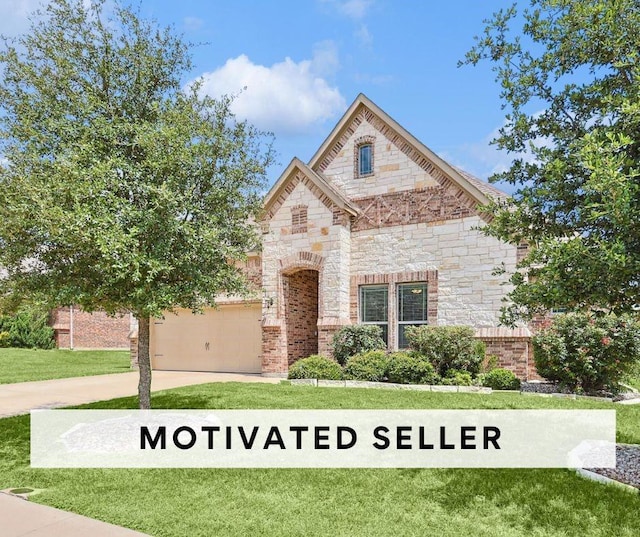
300, 289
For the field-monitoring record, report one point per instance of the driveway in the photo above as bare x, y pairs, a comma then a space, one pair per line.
22, 397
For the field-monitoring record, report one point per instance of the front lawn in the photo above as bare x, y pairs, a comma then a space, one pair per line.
22, 365
634, 381
340, 502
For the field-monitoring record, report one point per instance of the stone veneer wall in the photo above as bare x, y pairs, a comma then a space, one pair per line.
133, 349
324, 248
301, 314
468, 291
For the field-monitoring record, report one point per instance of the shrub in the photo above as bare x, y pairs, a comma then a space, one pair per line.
406, 368
489, 363
315, 367
587, 353
370, 365
27, 329
455, 377
501, 379
448, 347
356, 339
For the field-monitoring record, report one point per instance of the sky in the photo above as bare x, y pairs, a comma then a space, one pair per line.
297, 65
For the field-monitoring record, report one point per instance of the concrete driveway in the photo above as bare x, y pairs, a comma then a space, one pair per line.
22, 397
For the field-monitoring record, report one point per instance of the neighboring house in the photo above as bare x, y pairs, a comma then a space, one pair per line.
375, 229
76, 329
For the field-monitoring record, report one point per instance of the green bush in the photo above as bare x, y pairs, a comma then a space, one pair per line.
410, 368
370, 365
356, 339
489, 363
448, 347
27, 329
455, 377
315, 367
587, 353
501, 379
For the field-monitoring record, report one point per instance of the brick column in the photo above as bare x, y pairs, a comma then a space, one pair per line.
133, 349
274, 349
327, 327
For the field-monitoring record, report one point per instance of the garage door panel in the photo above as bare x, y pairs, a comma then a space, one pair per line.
226, 339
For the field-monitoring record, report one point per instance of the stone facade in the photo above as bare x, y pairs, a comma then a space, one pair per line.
414, 219
77, 329
327, 231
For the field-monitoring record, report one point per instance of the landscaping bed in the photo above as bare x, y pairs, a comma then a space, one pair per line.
627, 468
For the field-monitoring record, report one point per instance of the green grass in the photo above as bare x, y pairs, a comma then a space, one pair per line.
22, 365
633, 381
340, 502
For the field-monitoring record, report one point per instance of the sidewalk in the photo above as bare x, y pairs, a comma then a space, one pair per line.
20, 518
22, 397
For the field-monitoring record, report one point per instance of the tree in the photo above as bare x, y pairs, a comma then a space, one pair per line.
570, 77
121, 189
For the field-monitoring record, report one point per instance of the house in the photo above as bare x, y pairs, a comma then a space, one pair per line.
376, 229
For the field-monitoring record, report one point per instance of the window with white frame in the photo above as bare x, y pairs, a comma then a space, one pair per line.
412, 308
374, 307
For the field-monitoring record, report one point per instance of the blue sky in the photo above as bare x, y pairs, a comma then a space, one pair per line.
304, 61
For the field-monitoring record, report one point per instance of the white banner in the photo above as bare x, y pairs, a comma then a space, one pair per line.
323, 438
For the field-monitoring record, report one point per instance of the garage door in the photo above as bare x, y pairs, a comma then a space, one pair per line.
226, 339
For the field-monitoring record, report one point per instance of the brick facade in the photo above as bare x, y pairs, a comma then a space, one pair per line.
77, 329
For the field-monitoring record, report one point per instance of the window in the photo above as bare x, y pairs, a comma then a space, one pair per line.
374, 302
412, 308
365, 160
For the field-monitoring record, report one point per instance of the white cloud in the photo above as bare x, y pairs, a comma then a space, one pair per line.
287, 97
192, 23
363, 35
354, 9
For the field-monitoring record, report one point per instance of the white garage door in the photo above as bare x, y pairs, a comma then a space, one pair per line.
226, 339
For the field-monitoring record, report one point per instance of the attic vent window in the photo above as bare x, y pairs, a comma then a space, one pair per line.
299, 219
363, 157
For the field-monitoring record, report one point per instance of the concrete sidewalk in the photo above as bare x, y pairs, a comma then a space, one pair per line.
22, 397
21, 518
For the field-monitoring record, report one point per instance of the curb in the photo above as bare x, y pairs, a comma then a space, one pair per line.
319, 383
587, 474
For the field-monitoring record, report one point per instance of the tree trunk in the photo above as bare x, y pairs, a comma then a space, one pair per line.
144, 364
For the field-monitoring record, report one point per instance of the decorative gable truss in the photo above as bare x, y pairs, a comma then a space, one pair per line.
433, 204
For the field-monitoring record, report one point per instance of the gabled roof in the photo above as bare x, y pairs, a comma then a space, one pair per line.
477, 189
488, 189
324, 191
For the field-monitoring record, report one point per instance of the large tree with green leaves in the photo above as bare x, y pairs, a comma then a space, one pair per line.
570, 77
121, 188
